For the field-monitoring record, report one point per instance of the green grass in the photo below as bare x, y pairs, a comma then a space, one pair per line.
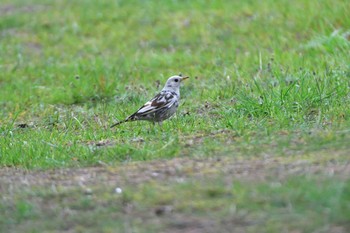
69, 70
268, 79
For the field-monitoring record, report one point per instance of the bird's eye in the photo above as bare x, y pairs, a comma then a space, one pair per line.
176, 80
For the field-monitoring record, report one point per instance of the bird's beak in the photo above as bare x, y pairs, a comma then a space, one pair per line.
183, 78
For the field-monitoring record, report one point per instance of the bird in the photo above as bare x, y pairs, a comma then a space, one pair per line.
160, 107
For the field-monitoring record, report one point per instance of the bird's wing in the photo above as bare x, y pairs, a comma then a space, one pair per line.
162, 100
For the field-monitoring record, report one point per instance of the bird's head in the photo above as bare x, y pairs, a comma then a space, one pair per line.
173, 82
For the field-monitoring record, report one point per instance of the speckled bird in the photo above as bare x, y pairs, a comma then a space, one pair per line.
160, 107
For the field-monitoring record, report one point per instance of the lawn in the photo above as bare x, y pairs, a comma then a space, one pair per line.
260, 141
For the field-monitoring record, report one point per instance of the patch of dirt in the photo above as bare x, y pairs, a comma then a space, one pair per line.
13, 9
177, 170
174, 170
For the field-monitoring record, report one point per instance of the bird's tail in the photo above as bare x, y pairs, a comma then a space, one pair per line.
118, 123
130, 118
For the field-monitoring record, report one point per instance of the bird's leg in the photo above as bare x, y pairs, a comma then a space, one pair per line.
160, 123
151, 128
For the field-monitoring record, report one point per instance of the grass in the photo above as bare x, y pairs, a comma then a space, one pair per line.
268, 80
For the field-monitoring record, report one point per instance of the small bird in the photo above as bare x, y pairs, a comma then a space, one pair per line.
162, 106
